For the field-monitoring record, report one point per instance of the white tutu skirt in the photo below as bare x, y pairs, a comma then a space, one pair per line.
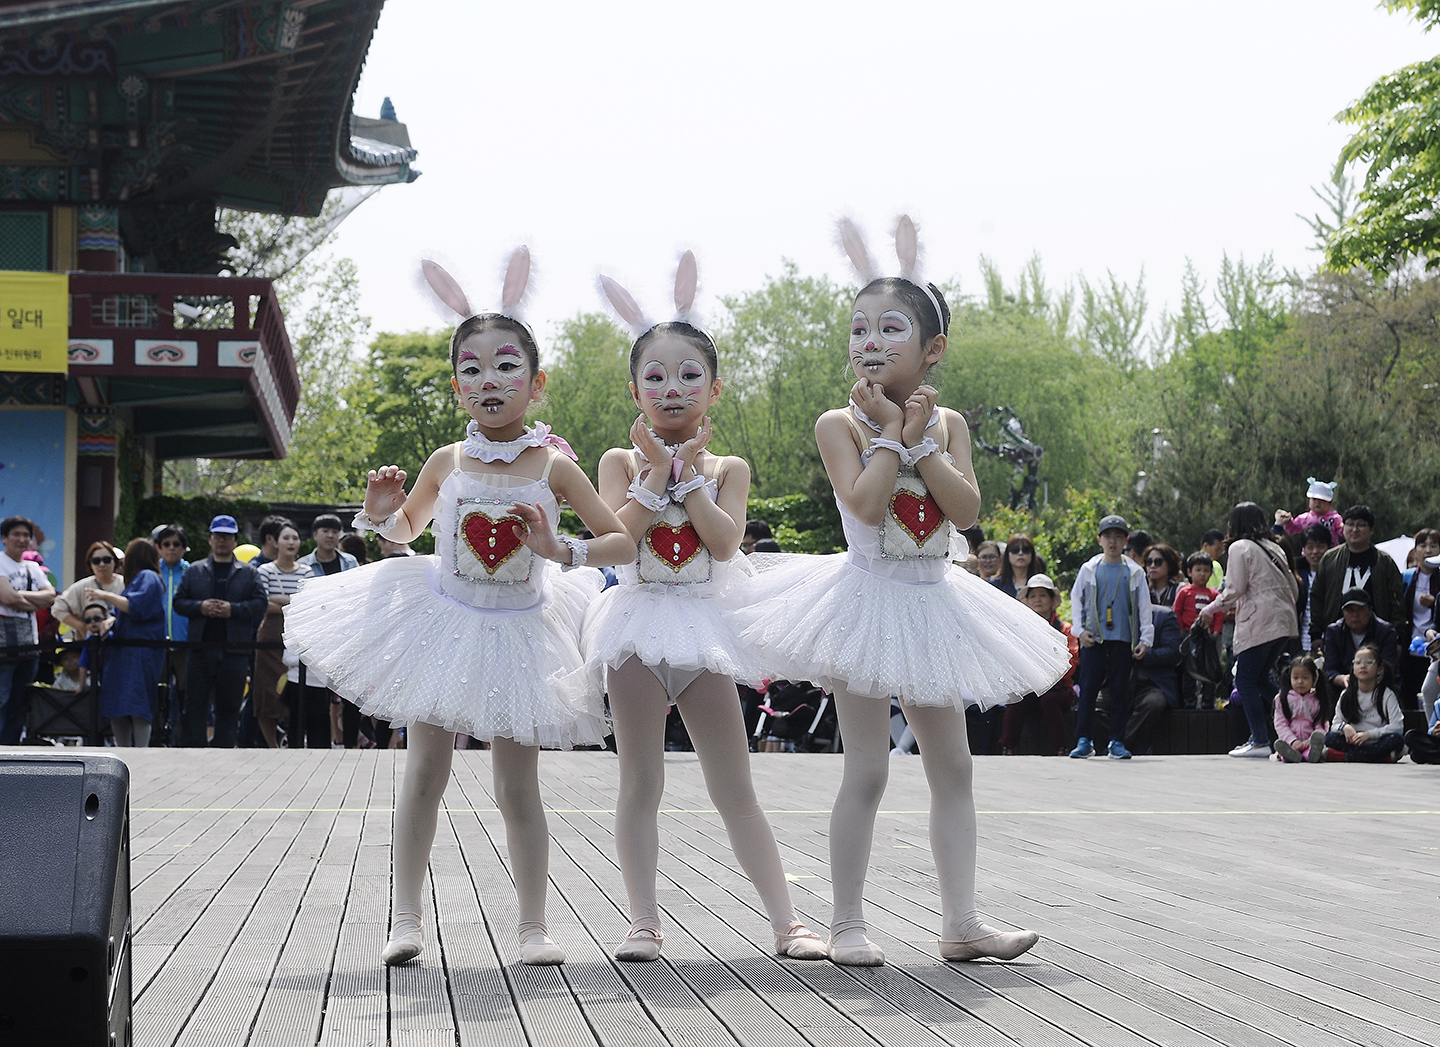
393, 644
958, 641
686, 627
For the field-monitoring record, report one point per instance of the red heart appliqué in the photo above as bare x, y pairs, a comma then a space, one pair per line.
919, 517
675, 547
492, 541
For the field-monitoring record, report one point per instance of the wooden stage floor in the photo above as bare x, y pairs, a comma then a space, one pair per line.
1180, 900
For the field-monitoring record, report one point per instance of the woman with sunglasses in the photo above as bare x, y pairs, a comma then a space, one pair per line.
1162, 572
103, 561
128, 686
1021, 563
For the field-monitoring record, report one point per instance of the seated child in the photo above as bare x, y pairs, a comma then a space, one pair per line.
1300, 711
69, 674
1321, 499
1197, 595
1368, 722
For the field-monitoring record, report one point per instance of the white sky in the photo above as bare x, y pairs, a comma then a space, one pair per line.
1103, 135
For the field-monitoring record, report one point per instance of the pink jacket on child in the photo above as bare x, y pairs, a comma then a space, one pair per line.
1305, 709
1331, 520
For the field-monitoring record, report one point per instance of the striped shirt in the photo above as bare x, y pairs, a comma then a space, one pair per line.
282, 583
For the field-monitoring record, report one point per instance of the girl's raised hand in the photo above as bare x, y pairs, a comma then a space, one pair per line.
536, 533
918, 409
870, 398
653, 450
384, 491
697, 443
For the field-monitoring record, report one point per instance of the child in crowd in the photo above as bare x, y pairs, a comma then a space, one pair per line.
1110, 603
1042, 597
1212, 545
69, 674
1368, 724
482, 639
664, 636
1321, 499
1197, 595
891, 617
1300, 711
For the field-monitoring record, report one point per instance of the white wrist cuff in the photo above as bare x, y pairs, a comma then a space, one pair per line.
364, 522
646, 497
680, 492
908, 455
579, 549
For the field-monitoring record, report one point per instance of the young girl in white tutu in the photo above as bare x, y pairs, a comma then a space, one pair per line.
663, 636
890, 617
483, 637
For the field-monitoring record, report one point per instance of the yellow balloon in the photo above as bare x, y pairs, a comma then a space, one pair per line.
246, 553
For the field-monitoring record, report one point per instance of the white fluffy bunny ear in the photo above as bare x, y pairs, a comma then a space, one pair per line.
445, 287
687, 282
907, 249
624, 306
852, 242
517, 282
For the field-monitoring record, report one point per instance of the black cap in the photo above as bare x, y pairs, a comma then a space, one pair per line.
1355, 598
1113, 523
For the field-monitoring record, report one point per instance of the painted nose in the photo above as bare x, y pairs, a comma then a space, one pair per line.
672, 392
488, 384
870, 346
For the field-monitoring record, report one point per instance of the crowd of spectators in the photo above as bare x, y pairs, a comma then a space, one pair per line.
1299, 622
1323, 641
193, 647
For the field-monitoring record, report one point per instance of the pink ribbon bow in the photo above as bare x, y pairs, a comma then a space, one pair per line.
549, 439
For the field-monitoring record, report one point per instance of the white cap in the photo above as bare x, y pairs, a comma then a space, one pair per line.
1039, 581
1320, 489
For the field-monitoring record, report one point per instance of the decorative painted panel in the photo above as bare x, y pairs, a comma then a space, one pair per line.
237, 354
161, 352
93, 352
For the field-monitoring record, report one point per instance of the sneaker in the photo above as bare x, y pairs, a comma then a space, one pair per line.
1251, 749
1083, 750
1316, 752
1118, 751
1286, 751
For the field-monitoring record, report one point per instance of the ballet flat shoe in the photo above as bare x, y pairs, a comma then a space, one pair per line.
407, 939
640, 945
541, 954
801, 944
1002, 945
866, 955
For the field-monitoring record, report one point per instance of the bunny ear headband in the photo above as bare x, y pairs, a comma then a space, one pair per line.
515, 286
622, 303
907, 250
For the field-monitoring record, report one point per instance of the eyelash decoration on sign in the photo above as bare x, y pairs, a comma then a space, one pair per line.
625, 309
515, 286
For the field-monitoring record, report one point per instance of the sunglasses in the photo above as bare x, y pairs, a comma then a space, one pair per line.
1022, 549
1154, 563
102, 559
93, 621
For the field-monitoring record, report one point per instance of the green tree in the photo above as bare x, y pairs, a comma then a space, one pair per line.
783, 353
1395, 140
412, 403
587, 395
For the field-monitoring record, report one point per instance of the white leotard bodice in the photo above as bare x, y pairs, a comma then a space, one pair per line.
671, 552
481, 562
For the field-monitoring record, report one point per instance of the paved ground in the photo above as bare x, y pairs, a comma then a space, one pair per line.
1181, 900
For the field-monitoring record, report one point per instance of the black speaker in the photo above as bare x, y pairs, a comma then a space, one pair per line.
64, 899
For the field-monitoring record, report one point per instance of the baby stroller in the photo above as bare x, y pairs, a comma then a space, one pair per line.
795, 717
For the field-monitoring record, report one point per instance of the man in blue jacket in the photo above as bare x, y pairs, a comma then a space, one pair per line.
221, 597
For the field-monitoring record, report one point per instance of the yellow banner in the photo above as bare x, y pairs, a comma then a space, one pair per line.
34, 322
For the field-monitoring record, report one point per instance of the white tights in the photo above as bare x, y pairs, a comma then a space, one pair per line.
945, 753
710, 707
430, 750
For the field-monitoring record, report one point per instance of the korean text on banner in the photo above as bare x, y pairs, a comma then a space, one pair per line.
34, 322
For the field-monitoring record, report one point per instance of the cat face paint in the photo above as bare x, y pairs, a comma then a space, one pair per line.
672, 388
493, 379
884, 340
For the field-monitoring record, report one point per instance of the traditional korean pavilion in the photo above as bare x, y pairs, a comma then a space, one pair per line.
123, 125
